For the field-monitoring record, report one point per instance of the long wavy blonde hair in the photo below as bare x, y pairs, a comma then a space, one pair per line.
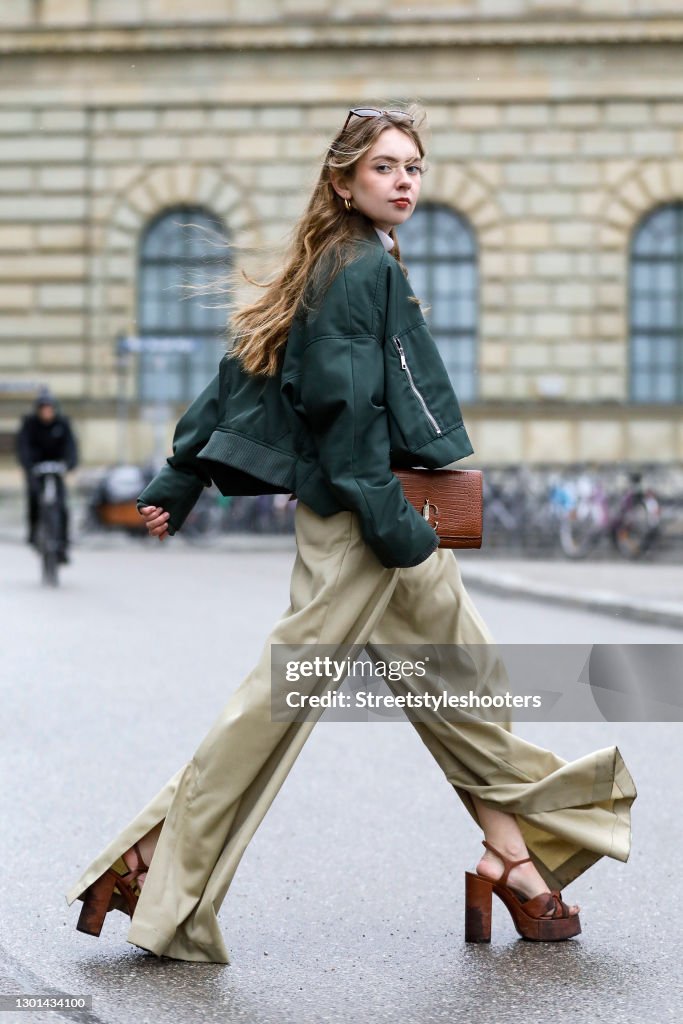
320, 246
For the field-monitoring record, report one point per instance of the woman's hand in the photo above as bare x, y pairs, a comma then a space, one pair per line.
156, 520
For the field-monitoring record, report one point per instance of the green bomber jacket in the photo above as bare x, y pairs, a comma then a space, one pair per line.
361, 388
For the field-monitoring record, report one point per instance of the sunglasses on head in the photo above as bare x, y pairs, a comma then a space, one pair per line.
373, 112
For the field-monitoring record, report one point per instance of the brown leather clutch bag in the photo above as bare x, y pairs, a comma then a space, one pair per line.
450, 500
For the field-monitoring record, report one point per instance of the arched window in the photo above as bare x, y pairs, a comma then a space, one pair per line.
656, 307
439, 249
181, 246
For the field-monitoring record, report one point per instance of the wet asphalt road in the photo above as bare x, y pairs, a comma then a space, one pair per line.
348, 905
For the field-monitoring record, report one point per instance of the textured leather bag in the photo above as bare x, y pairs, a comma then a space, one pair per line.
450, 500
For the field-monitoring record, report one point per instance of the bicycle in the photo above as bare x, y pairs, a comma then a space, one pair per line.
548, 502
503, 507
48, 534
632, 527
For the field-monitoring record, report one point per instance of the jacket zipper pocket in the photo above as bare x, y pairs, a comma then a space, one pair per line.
404, 366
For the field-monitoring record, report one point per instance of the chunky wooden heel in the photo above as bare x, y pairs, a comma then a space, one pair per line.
110, 890
478, 900
96, 903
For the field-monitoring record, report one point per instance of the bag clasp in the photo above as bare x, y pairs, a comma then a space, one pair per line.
425, 512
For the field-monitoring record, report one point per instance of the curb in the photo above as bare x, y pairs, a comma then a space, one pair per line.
606, 602
502, 584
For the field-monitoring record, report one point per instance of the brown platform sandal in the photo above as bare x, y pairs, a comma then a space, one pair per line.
108, 892
526, 912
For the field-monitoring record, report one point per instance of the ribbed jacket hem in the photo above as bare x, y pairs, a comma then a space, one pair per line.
273, 465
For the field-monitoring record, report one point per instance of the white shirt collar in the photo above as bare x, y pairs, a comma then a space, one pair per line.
387, 240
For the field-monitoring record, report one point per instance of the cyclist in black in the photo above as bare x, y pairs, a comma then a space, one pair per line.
46, 434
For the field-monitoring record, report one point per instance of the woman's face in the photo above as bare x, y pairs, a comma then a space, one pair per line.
387, 180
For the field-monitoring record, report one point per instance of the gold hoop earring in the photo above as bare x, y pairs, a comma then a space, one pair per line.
347, 204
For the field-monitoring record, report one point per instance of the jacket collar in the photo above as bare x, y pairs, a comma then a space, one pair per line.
372, 234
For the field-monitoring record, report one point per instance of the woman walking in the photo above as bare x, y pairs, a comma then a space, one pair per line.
333, 379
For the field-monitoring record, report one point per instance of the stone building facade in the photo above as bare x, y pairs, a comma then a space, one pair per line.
555, 130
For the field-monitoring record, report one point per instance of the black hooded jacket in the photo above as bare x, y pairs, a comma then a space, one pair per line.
37, 441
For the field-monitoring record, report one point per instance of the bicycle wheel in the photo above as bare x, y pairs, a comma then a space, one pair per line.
202, 525
49, 544
577, 532
636, 529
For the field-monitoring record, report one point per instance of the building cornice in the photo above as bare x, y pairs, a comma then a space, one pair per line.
317, 35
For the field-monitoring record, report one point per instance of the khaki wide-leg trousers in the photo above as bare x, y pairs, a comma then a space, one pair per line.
570, 813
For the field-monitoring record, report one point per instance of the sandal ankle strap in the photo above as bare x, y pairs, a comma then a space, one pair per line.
507, 864
133, 873
142, 867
